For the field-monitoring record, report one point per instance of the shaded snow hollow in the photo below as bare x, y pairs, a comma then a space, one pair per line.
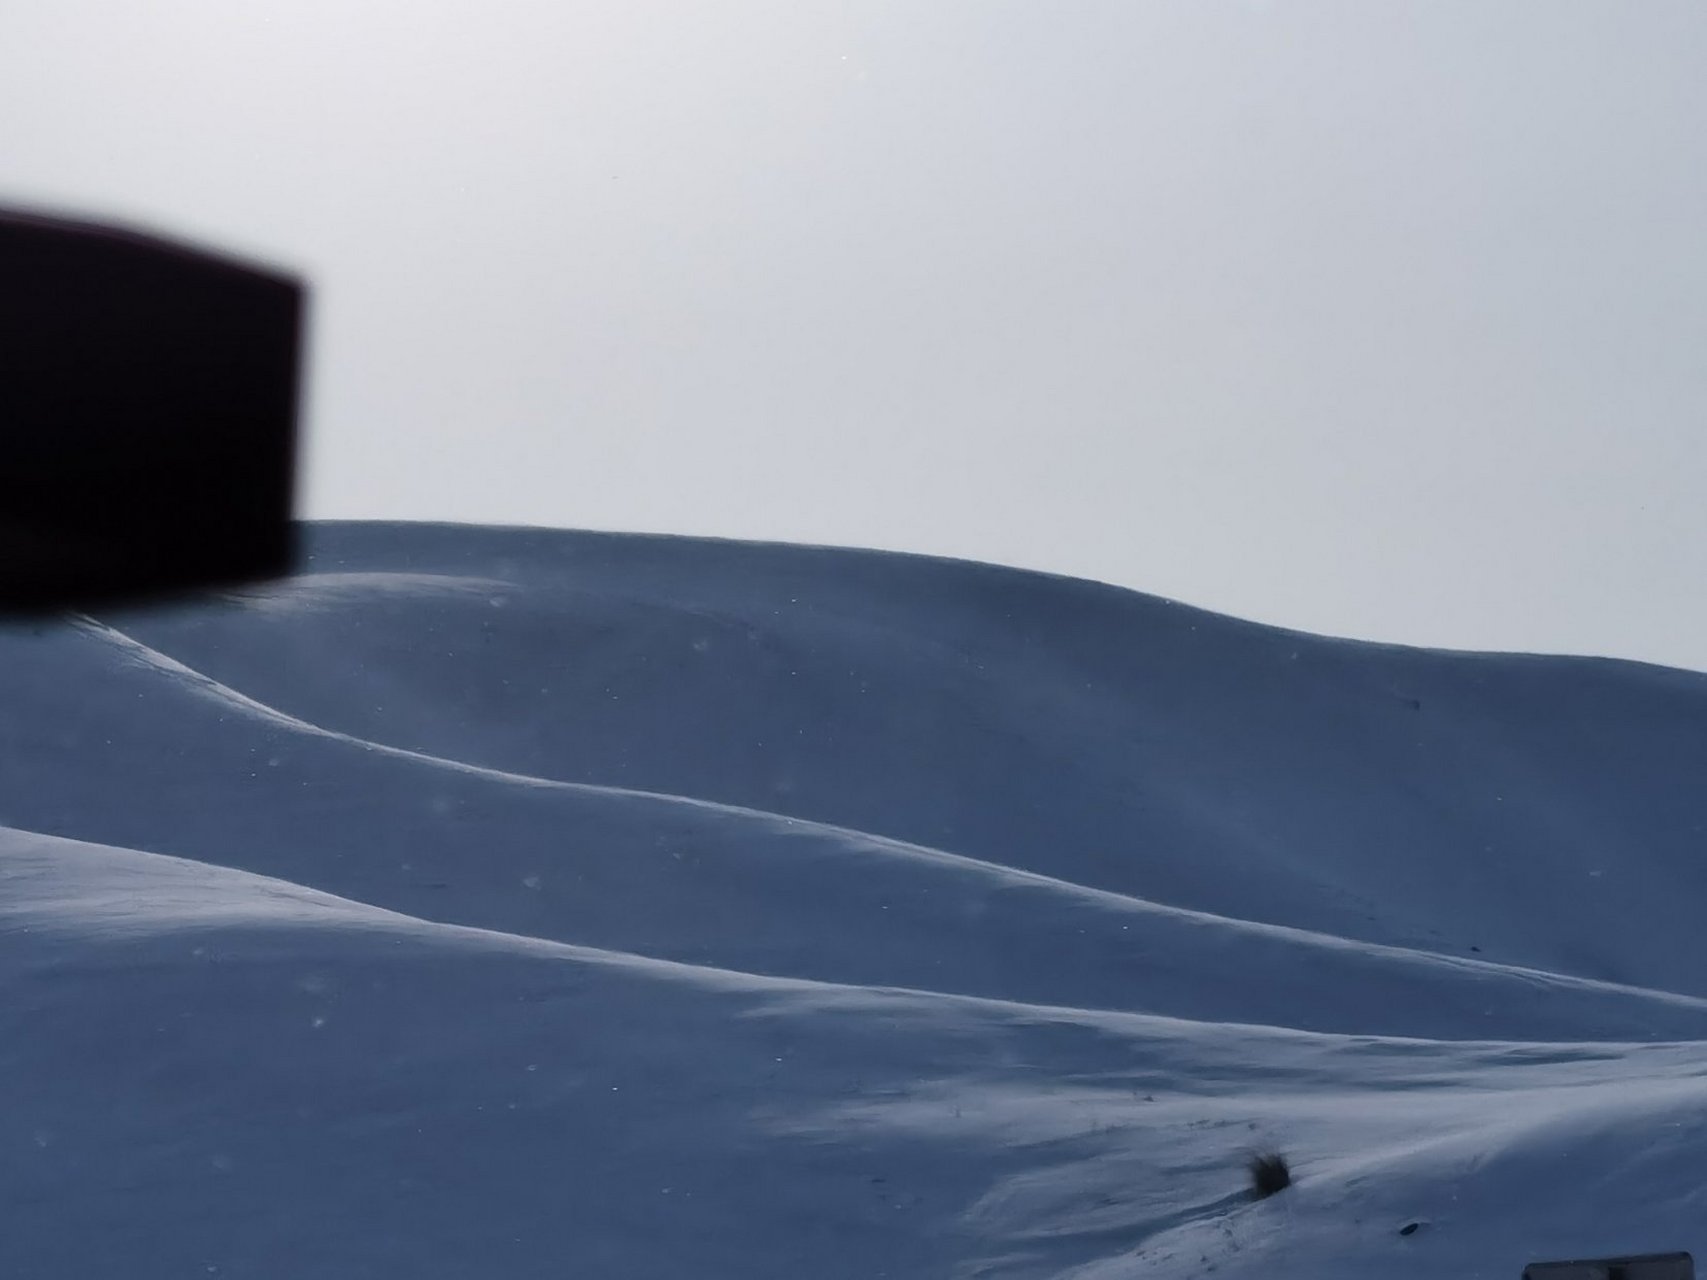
523, 903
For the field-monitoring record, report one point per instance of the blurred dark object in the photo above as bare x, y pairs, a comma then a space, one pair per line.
148, 401
1646, 1266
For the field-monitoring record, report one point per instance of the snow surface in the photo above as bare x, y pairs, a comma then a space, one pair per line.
524, 903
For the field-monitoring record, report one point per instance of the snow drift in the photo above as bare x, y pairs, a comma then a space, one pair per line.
531, 903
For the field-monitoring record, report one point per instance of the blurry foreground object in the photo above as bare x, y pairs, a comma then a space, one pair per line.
148, 401
1646, 1266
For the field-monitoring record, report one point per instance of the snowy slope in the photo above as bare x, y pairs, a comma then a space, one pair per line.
529, 903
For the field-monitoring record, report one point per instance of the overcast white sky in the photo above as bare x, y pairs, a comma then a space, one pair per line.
1382, 320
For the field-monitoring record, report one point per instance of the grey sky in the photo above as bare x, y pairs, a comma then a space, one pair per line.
1371, 319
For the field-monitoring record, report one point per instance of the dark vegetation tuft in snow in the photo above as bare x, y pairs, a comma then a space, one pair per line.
1269, 1173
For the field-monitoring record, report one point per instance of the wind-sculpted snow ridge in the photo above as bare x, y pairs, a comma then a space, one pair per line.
429, 1096
881, 910
522, 902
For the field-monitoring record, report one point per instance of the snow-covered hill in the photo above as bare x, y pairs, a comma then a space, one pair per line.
531, 903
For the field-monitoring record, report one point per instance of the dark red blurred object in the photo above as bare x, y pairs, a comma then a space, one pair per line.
148, 405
